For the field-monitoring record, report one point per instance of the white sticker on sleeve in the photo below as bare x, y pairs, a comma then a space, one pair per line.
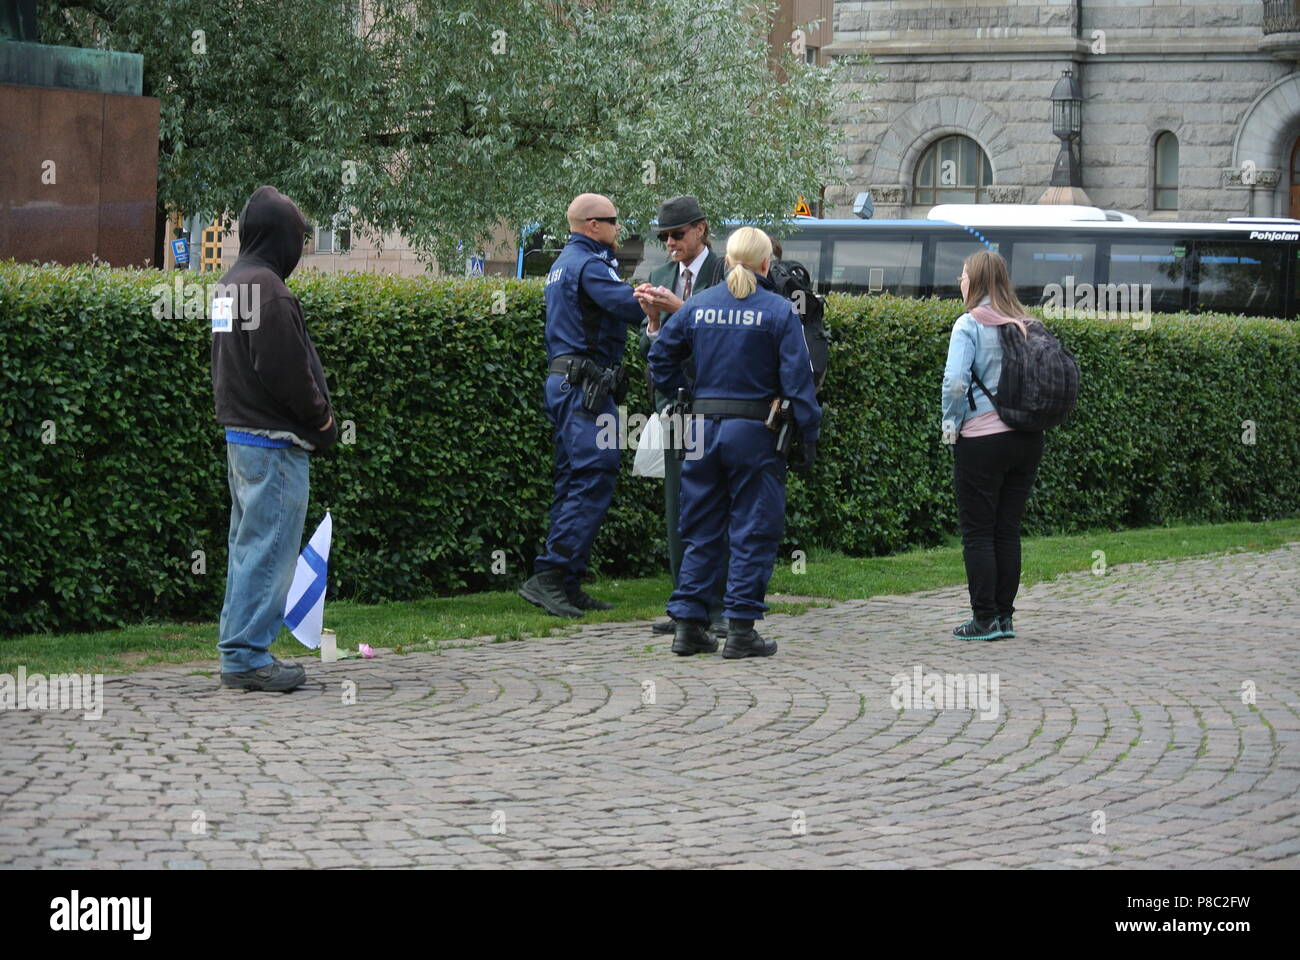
223, 314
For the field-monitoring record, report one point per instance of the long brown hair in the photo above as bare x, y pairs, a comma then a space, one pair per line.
990, 278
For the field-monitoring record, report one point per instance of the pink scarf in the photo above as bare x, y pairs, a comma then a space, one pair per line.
991, 318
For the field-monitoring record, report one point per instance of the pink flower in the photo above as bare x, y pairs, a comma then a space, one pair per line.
366, 651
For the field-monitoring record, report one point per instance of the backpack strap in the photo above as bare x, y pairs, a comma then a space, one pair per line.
979, 383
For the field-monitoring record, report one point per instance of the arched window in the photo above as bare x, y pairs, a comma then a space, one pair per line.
1166, 194
952, 170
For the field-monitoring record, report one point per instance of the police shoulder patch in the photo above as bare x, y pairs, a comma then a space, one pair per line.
613, 275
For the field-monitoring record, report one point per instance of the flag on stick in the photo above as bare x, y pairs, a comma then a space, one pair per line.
304, 608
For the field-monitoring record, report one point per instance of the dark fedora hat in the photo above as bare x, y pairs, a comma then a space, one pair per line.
679, 212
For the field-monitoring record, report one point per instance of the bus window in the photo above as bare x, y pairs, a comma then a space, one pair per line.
945, 269
807, 252
877, 266
1241, 278
1035, 265
1157, 266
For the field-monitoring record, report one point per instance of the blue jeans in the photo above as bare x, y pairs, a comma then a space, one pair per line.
268, 505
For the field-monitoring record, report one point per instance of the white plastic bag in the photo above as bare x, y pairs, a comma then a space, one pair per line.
649, 459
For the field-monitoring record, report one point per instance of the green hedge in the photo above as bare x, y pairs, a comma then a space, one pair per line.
451, 459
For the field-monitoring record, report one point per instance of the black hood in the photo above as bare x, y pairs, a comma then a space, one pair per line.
271, 231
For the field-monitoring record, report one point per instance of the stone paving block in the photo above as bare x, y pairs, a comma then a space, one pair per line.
1122, 696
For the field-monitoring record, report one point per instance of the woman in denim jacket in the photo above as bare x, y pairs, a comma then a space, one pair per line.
994, 465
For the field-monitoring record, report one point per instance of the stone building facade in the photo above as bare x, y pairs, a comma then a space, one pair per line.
1191, 108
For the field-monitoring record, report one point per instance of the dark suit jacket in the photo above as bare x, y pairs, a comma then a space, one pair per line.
712, 271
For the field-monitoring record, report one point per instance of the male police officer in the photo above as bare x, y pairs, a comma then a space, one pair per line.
749, 350
588, 308
692, 267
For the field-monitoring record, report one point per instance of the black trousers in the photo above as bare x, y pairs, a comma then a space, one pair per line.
992, 477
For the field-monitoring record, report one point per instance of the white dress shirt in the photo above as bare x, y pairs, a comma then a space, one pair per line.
695, 266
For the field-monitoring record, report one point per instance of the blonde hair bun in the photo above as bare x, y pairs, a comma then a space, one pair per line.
747, 248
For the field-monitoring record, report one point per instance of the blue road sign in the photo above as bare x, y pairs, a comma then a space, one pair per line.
181, 250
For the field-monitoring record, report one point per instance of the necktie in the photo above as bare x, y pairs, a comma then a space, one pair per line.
686, 284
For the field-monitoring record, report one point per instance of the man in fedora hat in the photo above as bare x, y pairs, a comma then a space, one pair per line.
692, 266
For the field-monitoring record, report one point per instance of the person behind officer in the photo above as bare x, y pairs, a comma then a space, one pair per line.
692, 267
748, 346
588, 309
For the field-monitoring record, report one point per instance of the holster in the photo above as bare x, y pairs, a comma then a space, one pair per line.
598, 383
782, 421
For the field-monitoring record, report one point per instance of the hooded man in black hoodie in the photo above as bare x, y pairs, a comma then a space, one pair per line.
272, 399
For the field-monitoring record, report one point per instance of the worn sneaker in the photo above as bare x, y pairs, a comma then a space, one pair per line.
584, 601
974, 629
546, 590
275, 677
691, 638
1007, 631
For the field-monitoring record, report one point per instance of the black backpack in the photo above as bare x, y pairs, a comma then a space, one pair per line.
792, 280
1039, 385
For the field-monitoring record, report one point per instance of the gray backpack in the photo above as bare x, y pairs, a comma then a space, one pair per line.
1039, 385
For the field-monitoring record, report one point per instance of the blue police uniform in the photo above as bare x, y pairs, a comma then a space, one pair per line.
588, 309
747, 352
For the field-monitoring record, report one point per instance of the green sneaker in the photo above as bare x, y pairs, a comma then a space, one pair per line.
1007, 631
974, 629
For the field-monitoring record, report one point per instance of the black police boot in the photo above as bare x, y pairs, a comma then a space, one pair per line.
691, 637
743, 641
546, 590
667, 627
581, 599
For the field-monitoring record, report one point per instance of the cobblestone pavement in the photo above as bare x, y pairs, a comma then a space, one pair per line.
1120, 706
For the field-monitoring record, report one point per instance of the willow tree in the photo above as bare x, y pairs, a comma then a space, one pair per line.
443, 120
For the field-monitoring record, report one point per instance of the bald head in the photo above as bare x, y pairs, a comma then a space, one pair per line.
587, 205
584, 207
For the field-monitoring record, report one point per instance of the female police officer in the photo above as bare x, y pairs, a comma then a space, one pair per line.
749, 349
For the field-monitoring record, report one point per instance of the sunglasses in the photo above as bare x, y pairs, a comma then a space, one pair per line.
609, 220
675, 234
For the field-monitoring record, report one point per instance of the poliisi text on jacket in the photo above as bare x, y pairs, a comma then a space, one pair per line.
747, 318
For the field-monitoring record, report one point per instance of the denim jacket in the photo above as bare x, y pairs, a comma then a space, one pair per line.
973, 346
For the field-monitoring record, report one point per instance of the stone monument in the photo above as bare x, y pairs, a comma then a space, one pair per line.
78, 150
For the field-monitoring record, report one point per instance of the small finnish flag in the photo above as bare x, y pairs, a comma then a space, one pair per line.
304, 608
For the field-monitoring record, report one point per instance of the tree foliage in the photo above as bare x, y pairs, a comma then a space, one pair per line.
442, 119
